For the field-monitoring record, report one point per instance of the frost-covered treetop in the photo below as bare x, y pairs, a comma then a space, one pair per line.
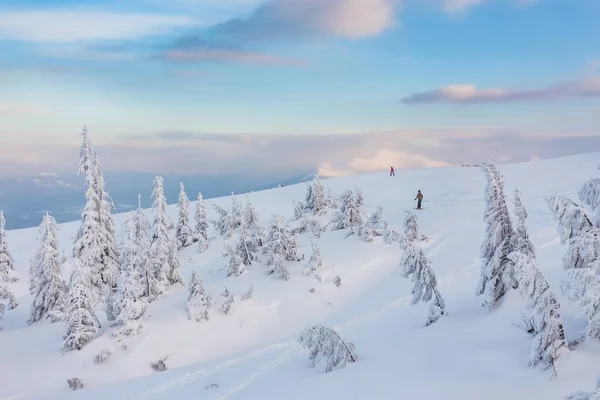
571, 217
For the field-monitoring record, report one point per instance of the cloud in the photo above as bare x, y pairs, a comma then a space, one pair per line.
462, 94
10, 109
458, 5
61, 26
231, 56
351, 19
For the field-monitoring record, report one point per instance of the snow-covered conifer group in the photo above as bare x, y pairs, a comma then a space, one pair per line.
315, 200
349, 216
281, 246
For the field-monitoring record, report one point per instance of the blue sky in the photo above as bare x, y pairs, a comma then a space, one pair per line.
400, 80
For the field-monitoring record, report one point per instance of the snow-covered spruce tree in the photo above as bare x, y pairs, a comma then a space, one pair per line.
129, 307
184, 233
201, 228
324, 342
549, 340
571, 217
360, 199
417, 266
143, 266
248, 245
349, 215
161, 242
49, 289
199, 300
298, 210
583, 287
80, 320
595, 395
236, 266
521, 240
331, 202
89, 246
497, 274
589, 194
375, 225
411, 226
315, 263
174, 274
228, 302
281, 247
315, 200
86, 167
7, 263
252, 224
230, 220
109, 253
8, 301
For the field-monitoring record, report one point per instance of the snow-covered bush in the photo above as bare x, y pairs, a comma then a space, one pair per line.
417, 266
102, 356
45, 281
589, 194
74, 384
184, 234
199, 300
549, 337
324, 342
161, 365
497, 274
228, 302
583, 286
337, 281
595, 395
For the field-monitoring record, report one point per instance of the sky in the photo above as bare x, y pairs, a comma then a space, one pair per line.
342, 86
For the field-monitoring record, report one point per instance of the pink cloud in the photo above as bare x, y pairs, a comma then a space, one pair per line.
589, 87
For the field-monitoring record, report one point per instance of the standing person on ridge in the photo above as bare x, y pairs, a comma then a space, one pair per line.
392, 171
419, 199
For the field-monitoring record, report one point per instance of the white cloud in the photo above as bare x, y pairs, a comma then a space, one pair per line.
20, 109
61, 26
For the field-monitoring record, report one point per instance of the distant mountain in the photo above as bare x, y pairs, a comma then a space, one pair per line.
25, 200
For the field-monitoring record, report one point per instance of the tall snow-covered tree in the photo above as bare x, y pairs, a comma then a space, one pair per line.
201, 227
199, 300
417, 266
184, 233
89, 246
161, 243
7, 263
248, 246
129, 306
549, 340
521, 240
48, 287
360, 199
375, 225
315, 201
281, 246
349, 215
322, 341
497, 274
109, 252
143, 266
331, 201
174, 275
80, 320
411, 226
252, 224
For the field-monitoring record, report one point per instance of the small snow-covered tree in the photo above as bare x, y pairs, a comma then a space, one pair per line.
251, 224
324, 342
230, 220
174, 274
497, 274
411, 226
236, 265
80, 320
281, 246
228, 302
375, 225
331, 201
49, 289
199, 300
315, 263
184, 234
298, 210
315, 200
521, 240
595, 395
349, 215
7, 263
417, 266
8, 301
247, 247
161, 243
549, 340
201, 228
360, 199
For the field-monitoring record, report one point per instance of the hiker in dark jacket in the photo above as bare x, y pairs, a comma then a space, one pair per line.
419, 199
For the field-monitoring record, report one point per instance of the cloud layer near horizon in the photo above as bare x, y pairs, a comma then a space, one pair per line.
282, 156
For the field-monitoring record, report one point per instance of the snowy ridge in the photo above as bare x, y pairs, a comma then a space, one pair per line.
253, 352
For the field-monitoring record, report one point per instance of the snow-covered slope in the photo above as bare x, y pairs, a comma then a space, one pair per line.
252, 353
